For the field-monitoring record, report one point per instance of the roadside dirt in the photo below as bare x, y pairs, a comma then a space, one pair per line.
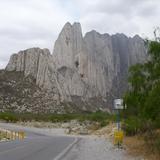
136, 146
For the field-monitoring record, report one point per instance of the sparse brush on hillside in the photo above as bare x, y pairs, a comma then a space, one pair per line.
101, 117
142, 115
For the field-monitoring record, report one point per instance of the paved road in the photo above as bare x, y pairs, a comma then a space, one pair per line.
35, 147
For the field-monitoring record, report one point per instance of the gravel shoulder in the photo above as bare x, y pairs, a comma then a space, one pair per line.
96, 148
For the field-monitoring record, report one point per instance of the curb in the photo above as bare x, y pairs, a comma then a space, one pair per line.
64, 152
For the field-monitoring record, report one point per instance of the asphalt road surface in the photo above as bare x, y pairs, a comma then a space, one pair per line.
34, 147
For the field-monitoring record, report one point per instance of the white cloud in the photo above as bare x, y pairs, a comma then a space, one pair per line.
33, 23
127, 16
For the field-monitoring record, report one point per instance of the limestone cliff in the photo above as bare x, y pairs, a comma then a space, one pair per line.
98, 61
83, 71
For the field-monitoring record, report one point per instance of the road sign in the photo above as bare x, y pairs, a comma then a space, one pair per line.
118, 104
118, 137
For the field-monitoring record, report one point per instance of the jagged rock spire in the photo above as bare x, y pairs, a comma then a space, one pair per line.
94, 66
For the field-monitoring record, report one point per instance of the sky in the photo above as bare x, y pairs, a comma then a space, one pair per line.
37, 23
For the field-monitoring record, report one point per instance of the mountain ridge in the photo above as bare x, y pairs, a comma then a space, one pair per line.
87, 67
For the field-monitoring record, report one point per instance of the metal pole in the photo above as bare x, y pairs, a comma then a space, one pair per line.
118, 125
118, 120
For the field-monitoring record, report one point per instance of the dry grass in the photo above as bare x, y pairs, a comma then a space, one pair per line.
136, 147
107, 131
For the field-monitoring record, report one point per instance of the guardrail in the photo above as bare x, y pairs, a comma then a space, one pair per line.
11, 135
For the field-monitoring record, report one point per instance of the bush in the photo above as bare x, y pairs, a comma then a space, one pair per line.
62, 117
98, 116
157, 144
152, 139
104, 123
132, 126
136, 125
101, 117
157, 122
8, 117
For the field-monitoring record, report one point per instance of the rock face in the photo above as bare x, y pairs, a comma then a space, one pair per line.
98, 61
83, 71
27, 61
21, 94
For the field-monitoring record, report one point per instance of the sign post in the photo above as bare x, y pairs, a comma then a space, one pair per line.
118, 135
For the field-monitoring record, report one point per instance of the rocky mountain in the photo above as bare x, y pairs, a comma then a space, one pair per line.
86, 73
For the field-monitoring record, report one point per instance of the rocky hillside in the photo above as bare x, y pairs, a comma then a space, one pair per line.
85, 73
21, 94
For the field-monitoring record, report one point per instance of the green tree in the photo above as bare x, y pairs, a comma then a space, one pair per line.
143, 97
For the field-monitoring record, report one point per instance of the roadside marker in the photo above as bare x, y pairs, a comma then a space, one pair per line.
118, 137
118, 134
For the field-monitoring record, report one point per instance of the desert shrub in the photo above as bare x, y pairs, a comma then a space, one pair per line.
157, 144
157, 122
63, 117
100, 117
152, 139
132, 126
104, 123
8, 117
137, 125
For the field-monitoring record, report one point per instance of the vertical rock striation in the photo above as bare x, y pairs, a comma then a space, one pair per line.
85, 68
